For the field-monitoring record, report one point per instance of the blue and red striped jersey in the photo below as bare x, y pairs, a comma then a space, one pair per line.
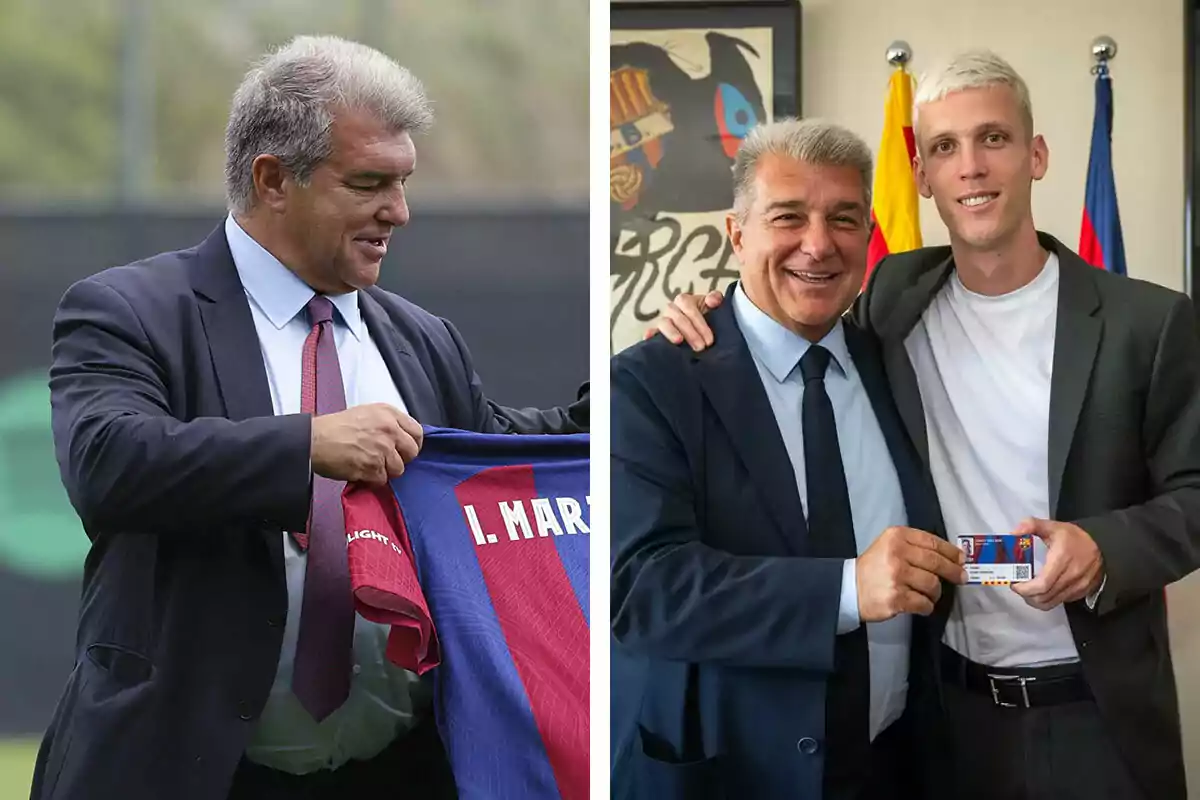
478, 558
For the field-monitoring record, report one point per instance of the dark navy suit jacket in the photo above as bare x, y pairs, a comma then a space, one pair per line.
184, 480
722, 631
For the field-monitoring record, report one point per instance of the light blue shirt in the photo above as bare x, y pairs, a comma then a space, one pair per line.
876, 502
383, 698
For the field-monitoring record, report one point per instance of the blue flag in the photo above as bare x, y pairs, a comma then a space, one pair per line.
1100, 241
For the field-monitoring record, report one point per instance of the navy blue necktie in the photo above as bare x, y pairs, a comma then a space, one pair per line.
831, 535
830, 522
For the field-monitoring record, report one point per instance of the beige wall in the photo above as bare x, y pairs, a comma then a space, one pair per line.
845, 76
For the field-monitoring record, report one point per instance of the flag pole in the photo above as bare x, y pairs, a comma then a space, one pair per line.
1100, 241
1104, 49
895, 224
899, 53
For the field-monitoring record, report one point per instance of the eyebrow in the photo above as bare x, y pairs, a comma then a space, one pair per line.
848, 205
797, 205
376, 175
980, 128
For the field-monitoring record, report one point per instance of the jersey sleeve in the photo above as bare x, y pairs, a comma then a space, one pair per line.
383, 577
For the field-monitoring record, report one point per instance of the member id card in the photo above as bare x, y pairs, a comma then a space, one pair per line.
997, 559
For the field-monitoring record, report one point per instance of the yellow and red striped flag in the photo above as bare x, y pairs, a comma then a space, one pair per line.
894, 203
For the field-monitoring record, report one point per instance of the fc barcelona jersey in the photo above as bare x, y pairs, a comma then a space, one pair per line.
478, 558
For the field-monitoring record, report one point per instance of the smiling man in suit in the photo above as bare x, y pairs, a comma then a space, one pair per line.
1050, 398
208, 407
770, 517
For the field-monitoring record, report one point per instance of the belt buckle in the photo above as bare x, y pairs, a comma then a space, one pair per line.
1019, 680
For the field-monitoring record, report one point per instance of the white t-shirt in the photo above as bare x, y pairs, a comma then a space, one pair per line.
983, 365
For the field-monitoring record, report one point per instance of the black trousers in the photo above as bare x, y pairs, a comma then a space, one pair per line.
414, 766
883, 774
1056, 752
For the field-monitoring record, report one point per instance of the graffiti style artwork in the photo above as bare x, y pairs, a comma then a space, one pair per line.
681, 102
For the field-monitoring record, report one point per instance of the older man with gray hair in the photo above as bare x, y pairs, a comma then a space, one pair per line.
208, 407
770, 542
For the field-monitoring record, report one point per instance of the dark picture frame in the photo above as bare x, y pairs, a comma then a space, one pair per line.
1191, 147
781, 16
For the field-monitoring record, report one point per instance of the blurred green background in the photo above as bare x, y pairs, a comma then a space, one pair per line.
128, 98
16, 767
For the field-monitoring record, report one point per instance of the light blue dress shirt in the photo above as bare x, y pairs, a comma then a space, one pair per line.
876, 501
383, 698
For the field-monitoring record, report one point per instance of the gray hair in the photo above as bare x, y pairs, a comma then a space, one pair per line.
286, 104
974, 69
812, 141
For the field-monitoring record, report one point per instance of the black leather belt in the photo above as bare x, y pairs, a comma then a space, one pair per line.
1017, 687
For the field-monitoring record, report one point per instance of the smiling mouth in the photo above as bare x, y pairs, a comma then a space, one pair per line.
373, 249
812, 277
977, 200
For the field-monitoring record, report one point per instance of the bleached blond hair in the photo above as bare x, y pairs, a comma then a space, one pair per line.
974, 69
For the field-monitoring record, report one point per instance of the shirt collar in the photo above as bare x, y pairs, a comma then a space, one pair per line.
776, 347
277, 290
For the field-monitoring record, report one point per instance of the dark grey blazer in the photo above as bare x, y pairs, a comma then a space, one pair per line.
1124, 464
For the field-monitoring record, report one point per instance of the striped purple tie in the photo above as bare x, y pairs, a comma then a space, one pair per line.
324, 647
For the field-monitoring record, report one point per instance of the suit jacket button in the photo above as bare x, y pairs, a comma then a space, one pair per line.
808, 745
244, 711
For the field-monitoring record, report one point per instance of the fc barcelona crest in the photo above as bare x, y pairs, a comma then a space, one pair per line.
638, 120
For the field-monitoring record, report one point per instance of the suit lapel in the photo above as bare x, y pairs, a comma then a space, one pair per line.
900, 320
733, 386
232, 344
410, 378
229, 328
901, 317
918, 496
1076, 341
907, 395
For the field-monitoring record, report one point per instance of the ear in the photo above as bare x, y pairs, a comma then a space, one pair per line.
271, 181
1039, 154
733, 229
919, 177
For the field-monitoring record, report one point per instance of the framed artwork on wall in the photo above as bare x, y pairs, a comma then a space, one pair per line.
687, 81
